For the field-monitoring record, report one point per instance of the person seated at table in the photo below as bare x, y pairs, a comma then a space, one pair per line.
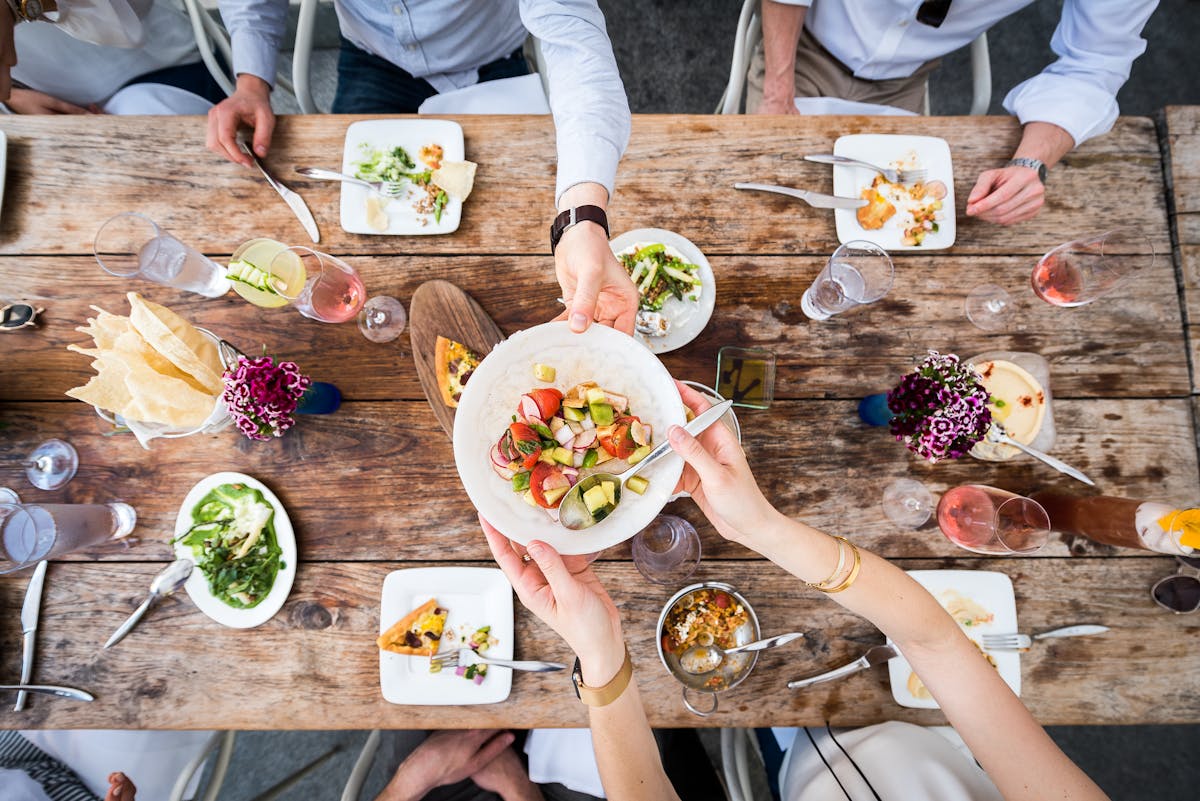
395, 56
883, 52
29, 774
152, 67
896, 760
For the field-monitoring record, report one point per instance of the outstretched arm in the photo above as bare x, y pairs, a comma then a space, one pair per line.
781, 26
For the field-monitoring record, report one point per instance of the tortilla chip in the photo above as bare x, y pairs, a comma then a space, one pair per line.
126, 385
178, 341
457, 178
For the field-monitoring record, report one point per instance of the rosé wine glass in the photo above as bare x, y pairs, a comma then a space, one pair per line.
333, 292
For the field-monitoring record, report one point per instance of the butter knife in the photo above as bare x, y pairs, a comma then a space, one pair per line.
30, 612
876, 656
294, 201
814, 199
51, 689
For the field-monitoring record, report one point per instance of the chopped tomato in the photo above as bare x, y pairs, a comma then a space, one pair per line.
548, 401
619, 443
526, 443
546, 477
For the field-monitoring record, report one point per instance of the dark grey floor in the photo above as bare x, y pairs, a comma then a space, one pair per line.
674, 57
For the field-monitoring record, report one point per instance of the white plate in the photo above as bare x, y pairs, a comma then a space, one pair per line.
882, 149
613, 360
197, 584
994, 592
412, 135
474, 597
688, 318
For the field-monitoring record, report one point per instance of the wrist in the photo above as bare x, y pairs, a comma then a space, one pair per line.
408, 784
248, 83
585, 194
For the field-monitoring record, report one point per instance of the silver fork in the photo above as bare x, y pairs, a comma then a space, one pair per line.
385, 188
1023, 642
895, 176
466, 657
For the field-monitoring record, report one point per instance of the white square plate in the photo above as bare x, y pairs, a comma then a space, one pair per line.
412, 135
883, 149
474, 596
994, 592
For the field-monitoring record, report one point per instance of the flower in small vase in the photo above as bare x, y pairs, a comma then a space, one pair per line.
262, 396
940, 410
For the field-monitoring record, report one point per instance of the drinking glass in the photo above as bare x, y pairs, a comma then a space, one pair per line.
987, 520
382, 319
51, 464
1086, 269
989, 307
269, 263
132, 245
667, 551
907, 503
332, 293
31, 532
746, 376
856, 274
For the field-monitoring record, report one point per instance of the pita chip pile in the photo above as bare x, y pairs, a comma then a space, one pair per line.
152, 366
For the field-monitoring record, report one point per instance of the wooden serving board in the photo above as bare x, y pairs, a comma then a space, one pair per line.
439, 308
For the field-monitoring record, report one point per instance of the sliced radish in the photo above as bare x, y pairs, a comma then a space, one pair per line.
578, 458
576, 427
529, 409
618, 402
552, 514
557, 424
570, 471
503, 472
564, 435
588, 425
585, 440
638, 432
498, 458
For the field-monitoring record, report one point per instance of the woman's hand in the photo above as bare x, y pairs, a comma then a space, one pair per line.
717, 475
27, 101
566, 595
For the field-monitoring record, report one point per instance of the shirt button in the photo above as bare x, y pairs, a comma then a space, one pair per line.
397, 9
410, 47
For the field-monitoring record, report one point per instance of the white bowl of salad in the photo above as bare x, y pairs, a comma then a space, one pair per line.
547, 407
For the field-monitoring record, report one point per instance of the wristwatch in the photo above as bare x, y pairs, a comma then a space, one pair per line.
602, 696
30, 10
1031, 163
574, 216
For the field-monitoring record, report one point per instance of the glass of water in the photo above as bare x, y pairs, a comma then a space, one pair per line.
857, 273
31, 532
667, 551
132, 245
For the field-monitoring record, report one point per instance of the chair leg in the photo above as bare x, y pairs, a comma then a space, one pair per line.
981, 76
361, 767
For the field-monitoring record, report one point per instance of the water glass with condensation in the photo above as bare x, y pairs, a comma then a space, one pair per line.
856, 274
131, 245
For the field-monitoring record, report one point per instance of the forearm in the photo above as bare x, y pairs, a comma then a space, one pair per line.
256, 29
626, 752
781, 26
584, 194
1044, 141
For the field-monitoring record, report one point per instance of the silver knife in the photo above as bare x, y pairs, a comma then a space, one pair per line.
814, 199
294, 201
876, 656
1072, 631
51, 689
30, 611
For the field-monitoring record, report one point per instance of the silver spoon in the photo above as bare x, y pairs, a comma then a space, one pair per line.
997, 434
166, 582
706, 658
573, 512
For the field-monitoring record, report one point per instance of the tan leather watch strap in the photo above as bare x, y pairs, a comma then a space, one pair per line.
603, 696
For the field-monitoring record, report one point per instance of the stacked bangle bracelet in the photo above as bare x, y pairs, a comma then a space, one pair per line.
828, 586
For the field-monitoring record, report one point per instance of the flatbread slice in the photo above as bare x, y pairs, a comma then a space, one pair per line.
177, 340
456, 177
419, 633
453, 364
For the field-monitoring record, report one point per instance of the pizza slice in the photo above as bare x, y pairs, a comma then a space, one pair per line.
418, 633
454, 363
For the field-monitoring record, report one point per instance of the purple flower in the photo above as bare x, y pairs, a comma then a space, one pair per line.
262, 396
940, 410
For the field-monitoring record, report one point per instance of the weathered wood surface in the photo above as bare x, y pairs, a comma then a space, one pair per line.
377, 480
1127, 346
65, 176
1183, 170
315, 665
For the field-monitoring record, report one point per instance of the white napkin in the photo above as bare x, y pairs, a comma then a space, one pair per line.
564, 756
835, 105
521, 95
156, 99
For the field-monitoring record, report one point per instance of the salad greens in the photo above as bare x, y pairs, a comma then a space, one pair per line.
233, 541
660, 275
390, 164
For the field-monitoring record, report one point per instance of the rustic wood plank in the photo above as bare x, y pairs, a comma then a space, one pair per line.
1183, 144
1126, 345
377, 480
315, 665
677, 174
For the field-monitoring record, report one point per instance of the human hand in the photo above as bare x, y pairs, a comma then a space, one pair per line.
445, 757
27, 101
594, 284
777, 104
565, 595
506, 777
250, 104
120, 788
1007, 195
717, 475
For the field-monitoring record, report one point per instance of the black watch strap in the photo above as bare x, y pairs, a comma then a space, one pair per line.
574, 216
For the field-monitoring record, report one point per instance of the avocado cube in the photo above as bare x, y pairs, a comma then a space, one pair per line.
637, 484
596, 396
564, 456
602, 413
573, 414
595, 499
610, 491
553, 495
638, 455
544, 372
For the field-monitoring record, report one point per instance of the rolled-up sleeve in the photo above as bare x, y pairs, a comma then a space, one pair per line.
587, 98
256, 29
1096, 43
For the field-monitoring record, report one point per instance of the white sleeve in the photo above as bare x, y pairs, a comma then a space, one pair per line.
1096, 42
256, 29
587, 98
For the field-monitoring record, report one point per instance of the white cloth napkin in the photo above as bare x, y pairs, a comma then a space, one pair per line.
835, 105
521, 95
156, 99
564, 756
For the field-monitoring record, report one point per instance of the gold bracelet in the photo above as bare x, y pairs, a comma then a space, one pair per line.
603, 696
845, 585
837, 571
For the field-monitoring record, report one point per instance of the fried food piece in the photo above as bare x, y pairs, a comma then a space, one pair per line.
877, 211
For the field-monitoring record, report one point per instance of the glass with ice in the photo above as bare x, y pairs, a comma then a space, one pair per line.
856, 274
30, 532
132, 245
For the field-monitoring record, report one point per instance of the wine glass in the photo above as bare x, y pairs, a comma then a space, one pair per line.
907, 503
52, 464
667, 551
989, 307
993, 521
382, 319
332, 293
1086, 269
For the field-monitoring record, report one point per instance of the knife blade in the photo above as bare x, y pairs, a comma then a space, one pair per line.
294, 201
814, 199
30, 612
876, 656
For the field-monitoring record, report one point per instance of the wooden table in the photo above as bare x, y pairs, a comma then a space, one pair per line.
373, 487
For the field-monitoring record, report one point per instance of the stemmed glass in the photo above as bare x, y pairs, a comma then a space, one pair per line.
993, 521
332, 293
857, 273
382, 319
1079, 272
907, 503
667, 551
989, 307
51, 465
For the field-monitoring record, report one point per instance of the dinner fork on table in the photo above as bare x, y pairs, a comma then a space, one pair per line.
1023, 642
465, 657
385, 188
896, 176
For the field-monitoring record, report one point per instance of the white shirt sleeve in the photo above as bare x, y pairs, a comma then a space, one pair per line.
587, 98
805, 3
1096, 42
256, 29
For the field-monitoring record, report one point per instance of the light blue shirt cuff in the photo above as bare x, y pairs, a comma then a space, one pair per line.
254, 55
1079, 107
586, 159
805, 3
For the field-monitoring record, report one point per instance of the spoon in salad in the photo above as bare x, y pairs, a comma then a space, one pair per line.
574, 513
166, 582
700, 659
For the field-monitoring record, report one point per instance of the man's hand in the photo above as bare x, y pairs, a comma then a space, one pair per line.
250, 104
8, 50
1007, 196
594, 284
506, 777
27, 101
120, 788
444, 758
